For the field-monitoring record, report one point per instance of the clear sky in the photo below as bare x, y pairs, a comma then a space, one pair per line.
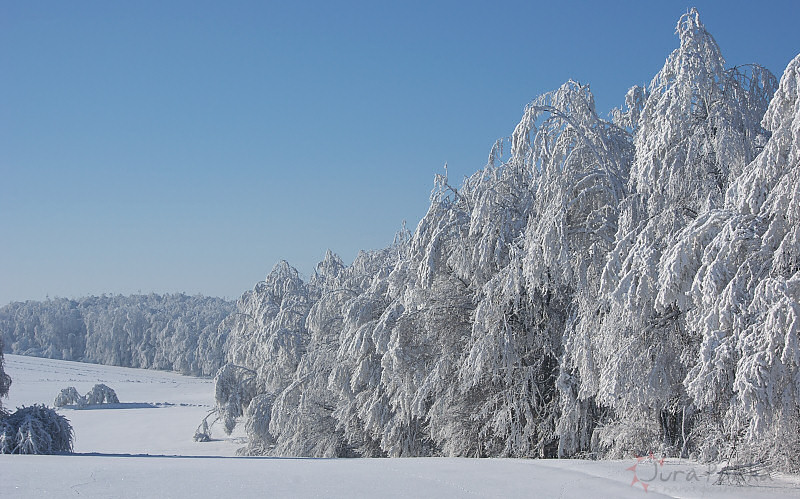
189, 145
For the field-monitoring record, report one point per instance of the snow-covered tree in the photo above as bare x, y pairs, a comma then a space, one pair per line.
584, 162
302, 417
699, 126
235, 386
53, 328
270, 324
362, 408
266, 340
734, 272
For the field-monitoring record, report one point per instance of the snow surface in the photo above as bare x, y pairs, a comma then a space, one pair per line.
143, 447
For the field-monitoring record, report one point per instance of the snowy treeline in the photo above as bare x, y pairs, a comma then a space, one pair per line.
175, 332
600, 288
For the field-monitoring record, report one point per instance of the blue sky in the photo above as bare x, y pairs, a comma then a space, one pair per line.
190, 145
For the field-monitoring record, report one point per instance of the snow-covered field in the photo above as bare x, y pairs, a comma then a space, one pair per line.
143, 447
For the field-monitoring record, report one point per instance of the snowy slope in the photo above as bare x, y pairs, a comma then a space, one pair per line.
143, 448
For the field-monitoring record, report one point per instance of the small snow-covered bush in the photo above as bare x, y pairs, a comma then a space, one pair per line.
69, 396
101, 394
35, 430
203, 432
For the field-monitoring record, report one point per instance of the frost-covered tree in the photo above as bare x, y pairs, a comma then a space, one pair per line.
362, 408
266, 341
295, 414
463, 308
234, 388
700, 125
53, 328
270, 324
31, 430
583, 163
734, 271
422, 342
301, 419
172, 332
421, 334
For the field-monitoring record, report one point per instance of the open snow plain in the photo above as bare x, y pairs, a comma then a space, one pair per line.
143, 447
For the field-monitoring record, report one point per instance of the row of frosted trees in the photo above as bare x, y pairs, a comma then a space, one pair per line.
174, 332
600, 288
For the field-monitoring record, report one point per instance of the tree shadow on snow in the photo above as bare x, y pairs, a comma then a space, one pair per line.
177, 456
120, 405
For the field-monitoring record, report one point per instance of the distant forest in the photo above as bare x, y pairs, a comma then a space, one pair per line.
173, 332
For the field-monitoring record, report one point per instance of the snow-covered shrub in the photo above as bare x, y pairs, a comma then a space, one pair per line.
35, 430
203, 432
69, 396
101, 394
